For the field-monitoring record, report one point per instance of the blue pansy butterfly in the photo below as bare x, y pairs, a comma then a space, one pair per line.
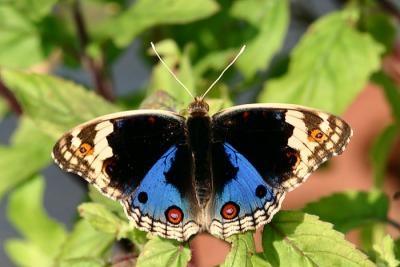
225, 174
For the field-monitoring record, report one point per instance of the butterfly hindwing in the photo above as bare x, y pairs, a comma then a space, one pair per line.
139, 158
279, 145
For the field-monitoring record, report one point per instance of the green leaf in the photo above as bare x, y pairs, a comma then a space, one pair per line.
54, 104
20, 44
162, 80
30, 147
148, 13
371, 234
84, 241
159, 252
242, 250
83, 262
382, 27
271, 18
386, 253
24, 253
110, 204
103, 220
26, 213
352, 209
329, 67
380, 151
299, 239
258, 260
392, 93
33, 10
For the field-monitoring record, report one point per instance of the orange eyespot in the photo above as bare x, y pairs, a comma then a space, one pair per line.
317, 135
230, 210
85, 149
174, 215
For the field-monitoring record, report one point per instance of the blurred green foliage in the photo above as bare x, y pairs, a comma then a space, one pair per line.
327, 69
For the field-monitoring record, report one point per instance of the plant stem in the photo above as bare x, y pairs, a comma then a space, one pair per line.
390, 8
126, 258
95, 67
10, 98
394, 224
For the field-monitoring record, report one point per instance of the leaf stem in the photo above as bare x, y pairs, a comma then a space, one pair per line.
126, 258
95, 67
393, 223
10, 98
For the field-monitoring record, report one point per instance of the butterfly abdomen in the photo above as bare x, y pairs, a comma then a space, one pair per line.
199, 132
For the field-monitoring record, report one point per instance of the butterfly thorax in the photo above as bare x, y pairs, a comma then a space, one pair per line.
199, 136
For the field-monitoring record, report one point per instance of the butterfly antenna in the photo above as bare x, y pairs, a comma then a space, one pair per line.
170, 71
222, 73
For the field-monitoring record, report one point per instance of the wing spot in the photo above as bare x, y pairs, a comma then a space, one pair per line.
261, 191
143, 197
230, 210
85, 149
317, 135
109, 167
174, 215
293, 158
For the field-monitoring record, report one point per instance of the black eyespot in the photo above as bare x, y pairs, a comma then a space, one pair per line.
261, 191
109, 167
142, 197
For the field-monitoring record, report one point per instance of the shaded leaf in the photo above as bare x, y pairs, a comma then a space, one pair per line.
380, 152
356, 209
329, 67
159, 252
3, 108
54, 104
26, 213
148, 13
84, 241
271, 18
20, 44
299, 239
392, 93
29, 148
24, 253
242, 250
382, 27
386, 253
370, 235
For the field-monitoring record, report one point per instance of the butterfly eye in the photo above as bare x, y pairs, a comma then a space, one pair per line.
85, 149
174, 215
317, 135
230, 210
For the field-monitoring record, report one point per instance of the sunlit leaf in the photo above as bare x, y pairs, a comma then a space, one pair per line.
34, 10
160, 252
26, 213
329, 67
386, 253
299, 239
24, 253
20, 44
84, 241
148, 13
83, 262
271, 18
54, 104
356, 209
259, 260
242, 250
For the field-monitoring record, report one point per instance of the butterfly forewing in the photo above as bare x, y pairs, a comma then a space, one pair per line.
138, 157
269, 150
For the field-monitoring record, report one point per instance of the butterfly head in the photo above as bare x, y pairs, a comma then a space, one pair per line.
198, 107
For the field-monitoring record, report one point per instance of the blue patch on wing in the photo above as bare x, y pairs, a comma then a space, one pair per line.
242, 188
160, 194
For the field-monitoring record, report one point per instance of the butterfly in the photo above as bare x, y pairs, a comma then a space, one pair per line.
225, 174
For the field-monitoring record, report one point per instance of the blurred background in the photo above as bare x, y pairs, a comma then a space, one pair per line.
340, 56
